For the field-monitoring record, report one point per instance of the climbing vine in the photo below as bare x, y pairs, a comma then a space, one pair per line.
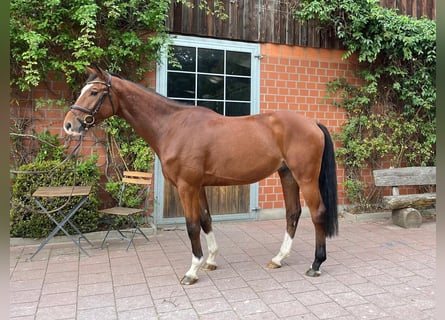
65, 36
391, 115
58, 38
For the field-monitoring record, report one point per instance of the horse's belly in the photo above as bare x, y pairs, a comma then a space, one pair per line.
241, 168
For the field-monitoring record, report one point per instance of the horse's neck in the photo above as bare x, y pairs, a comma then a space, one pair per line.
146, 112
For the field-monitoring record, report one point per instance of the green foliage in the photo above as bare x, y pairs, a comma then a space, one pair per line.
133, 196
50, 148
354, 192
132, 149
134, 154
391, 116
27, 219
65, 36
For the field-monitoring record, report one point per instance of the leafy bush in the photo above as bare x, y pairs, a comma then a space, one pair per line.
27, 219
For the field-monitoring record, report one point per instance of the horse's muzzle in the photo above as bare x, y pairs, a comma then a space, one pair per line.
72, 131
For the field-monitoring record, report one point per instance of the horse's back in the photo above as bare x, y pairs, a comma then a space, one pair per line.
222, 150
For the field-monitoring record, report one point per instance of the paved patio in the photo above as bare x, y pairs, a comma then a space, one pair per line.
374, 270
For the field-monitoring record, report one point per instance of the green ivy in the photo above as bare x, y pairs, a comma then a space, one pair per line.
392, 114
66, 36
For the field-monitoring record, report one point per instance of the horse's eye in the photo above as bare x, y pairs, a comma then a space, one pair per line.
94, 93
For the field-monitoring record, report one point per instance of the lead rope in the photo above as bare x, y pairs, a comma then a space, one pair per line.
73, 153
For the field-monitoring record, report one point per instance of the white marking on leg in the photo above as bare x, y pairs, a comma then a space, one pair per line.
284, 250
196, 264
213, 248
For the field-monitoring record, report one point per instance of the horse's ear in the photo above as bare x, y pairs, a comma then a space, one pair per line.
90, 70
95, 69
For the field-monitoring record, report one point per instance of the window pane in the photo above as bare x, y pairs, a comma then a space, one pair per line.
210, 87
238, 63
217, 106
180, 85
184, 56
237, 109
211, 61
238, 89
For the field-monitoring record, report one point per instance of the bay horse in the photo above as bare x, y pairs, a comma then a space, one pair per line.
198, 147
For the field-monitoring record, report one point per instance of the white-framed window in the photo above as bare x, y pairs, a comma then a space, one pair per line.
218, 74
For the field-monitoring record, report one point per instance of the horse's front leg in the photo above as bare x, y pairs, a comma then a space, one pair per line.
293, 211
190, 202
206, 224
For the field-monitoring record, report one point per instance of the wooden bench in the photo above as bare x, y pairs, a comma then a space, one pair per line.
404, 207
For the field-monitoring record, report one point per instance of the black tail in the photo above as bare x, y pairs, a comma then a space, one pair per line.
328, 184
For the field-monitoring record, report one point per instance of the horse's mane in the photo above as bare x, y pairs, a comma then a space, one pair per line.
94, 76
181, 104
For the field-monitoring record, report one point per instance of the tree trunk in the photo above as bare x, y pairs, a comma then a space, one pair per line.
407, 217
410, 200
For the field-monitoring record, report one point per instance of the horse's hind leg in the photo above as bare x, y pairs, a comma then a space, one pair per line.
311, 195
206, 225
293, 212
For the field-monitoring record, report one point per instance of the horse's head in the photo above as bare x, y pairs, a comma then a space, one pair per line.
94, 104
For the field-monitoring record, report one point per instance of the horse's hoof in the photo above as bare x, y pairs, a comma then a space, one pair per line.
273, 265
188, 281
208, 267
312, 273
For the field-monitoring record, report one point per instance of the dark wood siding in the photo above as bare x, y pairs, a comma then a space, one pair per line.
271, 21
221, 200
414, 8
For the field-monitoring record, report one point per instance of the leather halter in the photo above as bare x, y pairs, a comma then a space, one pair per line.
88, 120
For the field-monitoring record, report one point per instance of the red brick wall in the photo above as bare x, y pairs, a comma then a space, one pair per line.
49, 117
292, 78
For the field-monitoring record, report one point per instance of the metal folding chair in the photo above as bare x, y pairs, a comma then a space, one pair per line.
142, 179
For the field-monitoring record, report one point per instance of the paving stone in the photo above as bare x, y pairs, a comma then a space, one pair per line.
250, 307
108, 313
373, 271
56, 312
329, 310
96, 301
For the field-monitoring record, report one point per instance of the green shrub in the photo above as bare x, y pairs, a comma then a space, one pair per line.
27, 219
